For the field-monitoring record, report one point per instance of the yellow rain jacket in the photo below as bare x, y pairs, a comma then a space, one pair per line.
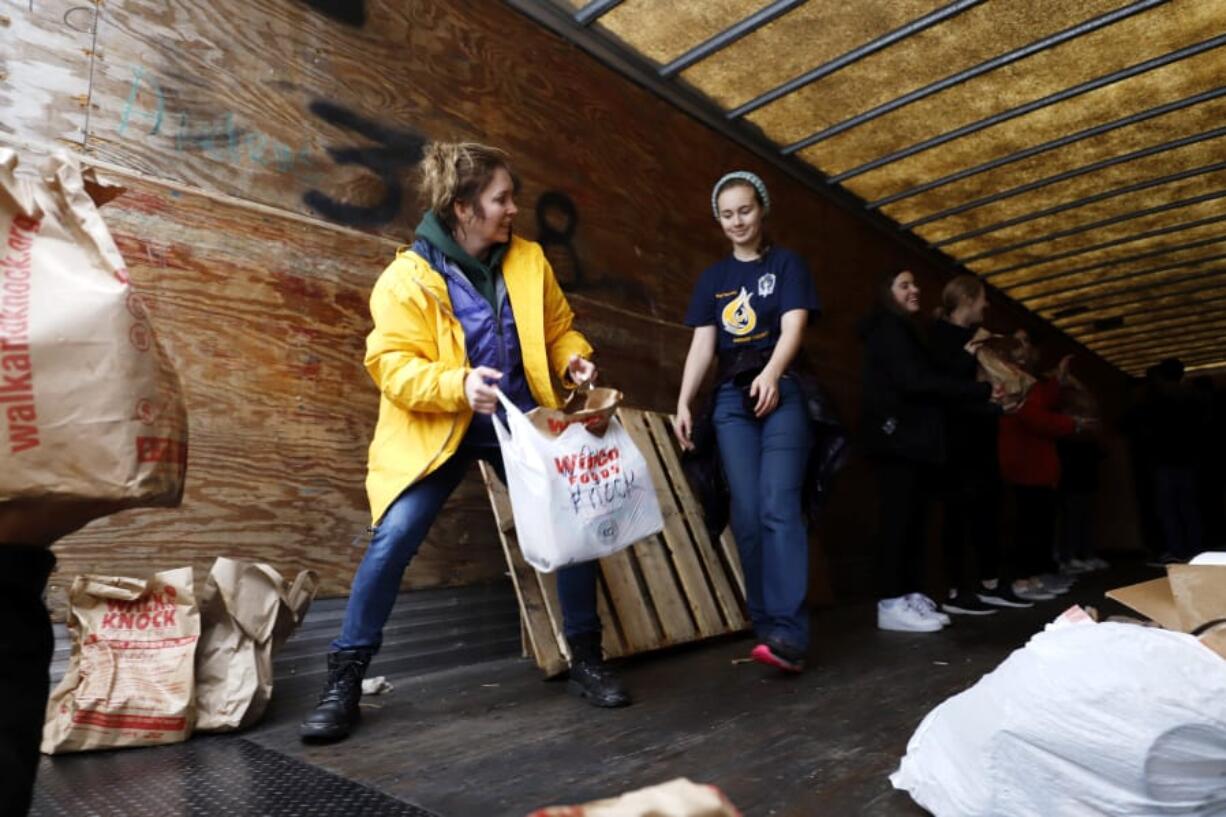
417, 358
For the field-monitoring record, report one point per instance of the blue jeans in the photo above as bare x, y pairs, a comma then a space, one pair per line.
764, 461
400, 533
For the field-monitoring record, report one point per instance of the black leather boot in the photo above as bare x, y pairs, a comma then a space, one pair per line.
590, 677
337, 711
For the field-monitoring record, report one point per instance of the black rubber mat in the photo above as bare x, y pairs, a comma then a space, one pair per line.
205, 776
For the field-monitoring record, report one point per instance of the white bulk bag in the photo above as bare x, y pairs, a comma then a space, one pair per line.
1086, 719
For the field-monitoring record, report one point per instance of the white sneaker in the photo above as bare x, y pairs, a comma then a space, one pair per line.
927, 607
1056, 585
1031, 591
899, 616
1074, 567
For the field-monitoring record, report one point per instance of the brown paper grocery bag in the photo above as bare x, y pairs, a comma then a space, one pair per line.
589, 405
91, 412
248, 611
996, 367
676, 798
131, 675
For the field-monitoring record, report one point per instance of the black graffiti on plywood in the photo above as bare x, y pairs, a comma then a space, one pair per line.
395, 151
349, 12
557, 220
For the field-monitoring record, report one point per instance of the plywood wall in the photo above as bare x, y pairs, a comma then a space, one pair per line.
267, 144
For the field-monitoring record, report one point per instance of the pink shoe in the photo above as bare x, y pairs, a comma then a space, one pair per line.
778, 657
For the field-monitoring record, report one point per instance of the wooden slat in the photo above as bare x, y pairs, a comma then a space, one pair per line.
677, 538
548, 583
500, 499
533, 605
667, 595
723, 570
640, 627
611, 632
732, 558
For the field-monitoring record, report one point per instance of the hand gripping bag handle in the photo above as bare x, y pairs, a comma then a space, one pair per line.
529, 456
501, 430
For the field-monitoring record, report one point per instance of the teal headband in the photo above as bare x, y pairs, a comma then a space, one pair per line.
744, 176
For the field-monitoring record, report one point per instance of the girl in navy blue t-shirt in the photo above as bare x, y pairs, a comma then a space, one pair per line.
749, 311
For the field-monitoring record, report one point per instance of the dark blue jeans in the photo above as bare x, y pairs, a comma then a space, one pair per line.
400, 533
764, 461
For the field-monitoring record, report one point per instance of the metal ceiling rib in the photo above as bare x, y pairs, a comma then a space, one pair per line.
1094, 225
1068, 174
854, 55
1161, 305
1045, 147
1115, 242
1080, 185
1127, 297
593, 11
963, 76
1204, 341
728, 36
1104, 195
1202, 338
1141, 256
1081, 293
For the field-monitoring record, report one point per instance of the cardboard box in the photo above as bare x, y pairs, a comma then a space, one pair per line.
1191, 598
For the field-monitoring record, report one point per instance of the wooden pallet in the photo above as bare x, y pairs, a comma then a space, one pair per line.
671, 588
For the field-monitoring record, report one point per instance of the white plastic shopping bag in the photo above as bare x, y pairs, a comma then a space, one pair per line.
577, 496
1085, 719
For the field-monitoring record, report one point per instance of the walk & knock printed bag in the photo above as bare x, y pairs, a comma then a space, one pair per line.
131, 677
91, 411
576, 496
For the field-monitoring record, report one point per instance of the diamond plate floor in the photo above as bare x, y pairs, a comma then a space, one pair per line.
205, 776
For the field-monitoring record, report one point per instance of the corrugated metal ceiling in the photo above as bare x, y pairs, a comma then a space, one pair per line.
1070, 152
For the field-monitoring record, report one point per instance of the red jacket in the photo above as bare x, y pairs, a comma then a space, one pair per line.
1027, 439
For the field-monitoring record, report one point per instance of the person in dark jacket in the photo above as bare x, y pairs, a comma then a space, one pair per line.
903, 428
1175, 424
971, 485
1212, 469
750, 309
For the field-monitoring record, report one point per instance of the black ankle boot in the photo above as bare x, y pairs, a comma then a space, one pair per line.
590, 677
337, 711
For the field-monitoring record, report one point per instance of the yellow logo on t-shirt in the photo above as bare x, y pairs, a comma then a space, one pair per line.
738, 316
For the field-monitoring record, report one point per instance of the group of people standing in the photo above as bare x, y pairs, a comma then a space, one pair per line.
472, 309
937, 433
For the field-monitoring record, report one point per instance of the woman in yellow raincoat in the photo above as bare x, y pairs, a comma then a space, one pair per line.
468, 310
